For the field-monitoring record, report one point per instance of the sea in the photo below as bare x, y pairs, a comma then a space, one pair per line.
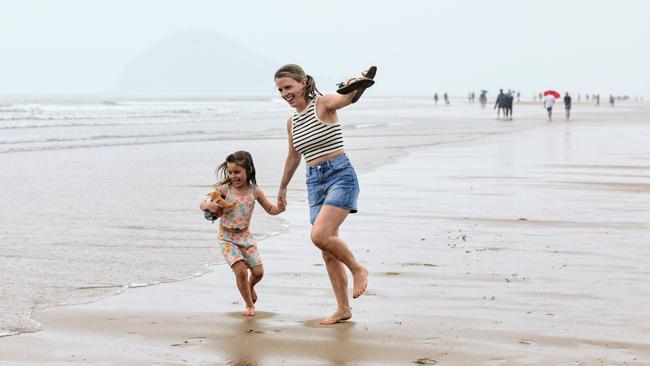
100, 195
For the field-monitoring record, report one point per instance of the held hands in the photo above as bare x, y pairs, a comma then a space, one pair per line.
281, 206
282, 197
278, 209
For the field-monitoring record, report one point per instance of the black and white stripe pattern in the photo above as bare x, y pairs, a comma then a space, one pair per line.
312, 137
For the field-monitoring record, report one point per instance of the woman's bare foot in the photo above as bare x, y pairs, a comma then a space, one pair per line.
360, 282
339, 316
250, 311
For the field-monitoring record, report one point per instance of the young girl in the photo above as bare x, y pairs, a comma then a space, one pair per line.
238, 246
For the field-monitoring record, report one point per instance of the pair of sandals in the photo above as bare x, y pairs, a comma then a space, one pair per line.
358, 84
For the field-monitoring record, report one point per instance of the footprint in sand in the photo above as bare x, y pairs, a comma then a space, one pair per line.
418, 264
425, 361
189, 342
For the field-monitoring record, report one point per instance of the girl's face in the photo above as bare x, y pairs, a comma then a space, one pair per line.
237, 175
291, 90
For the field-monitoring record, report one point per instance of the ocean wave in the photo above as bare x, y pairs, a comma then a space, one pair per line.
365, 125
216, 135
159, 139
96, 116
31, 116
107, 136
107, 121
21, 108
23, 324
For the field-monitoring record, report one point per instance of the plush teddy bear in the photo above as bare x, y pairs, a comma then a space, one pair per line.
219, 198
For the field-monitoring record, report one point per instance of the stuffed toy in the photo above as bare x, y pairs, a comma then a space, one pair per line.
219, 198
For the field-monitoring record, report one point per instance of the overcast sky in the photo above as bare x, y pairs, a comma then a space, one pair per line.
81, 46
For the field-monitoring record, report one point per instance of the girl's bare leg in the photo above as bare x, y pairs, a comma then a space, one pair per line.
323, 235
257, 273
241, 275
339, 279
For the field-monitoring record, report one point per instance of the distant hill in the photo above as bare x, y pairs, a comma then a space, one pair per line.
198, 62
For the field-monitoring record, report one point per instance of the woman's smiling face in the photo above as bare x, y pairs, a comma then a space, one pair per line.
290, 90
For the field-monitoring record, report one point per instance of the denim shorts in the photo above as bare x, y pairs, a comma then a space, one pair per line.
333, 182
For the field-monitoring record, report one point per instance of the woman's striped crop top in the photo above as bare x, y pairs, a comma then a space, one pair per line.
312, 137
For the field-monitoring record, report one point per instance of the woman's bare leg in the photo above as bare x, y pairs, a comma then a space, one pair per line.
339, 279
241, 275
323, 235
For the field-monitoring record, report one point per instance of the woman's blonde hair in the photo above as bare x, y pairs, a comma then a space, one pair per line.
298, 74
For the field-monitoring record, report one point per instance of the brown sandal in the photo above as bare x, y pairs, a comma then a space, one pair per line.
359, 84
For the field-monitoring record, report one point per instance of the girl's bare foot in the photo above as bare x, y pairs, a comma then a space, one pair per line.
250, 311
339, 316
360, 282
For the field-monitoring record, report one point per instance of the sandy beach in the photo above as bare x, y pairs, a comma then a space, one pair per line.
523, 244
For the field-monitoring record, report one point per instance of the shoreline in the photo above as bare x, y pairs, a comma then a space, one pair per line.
377, 134
487, 262
366, 156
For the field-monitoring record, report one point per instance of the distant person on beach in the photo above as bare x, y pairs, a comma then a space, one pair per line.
567, 105
597, 99
435, 98
507, 105
482, 98
446, 98
611, 100
238, 186
314, 132
500, 103
549, 100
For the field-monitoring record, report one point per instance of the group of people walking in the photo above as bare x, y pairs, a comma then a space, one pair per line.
445, 97
549, 101
504, 103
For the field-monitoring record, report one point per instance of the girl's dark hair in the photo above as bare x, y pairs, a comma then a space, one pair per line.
241, 158
298, 74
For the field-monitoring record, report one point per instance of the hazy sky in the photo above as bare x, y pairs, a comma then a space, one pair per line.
81, 46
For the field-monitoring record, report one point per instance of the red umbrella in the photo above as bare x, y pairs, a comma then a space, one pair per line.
553, 93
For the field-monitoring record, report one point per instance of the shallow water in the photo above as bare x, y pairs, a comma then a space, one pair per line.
99, 196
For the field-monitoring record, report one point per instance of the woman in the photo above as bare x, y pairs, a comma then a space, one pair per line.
314, 132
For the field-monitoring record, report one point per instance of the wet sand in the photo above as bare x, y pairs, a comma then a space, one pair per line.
525, 248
